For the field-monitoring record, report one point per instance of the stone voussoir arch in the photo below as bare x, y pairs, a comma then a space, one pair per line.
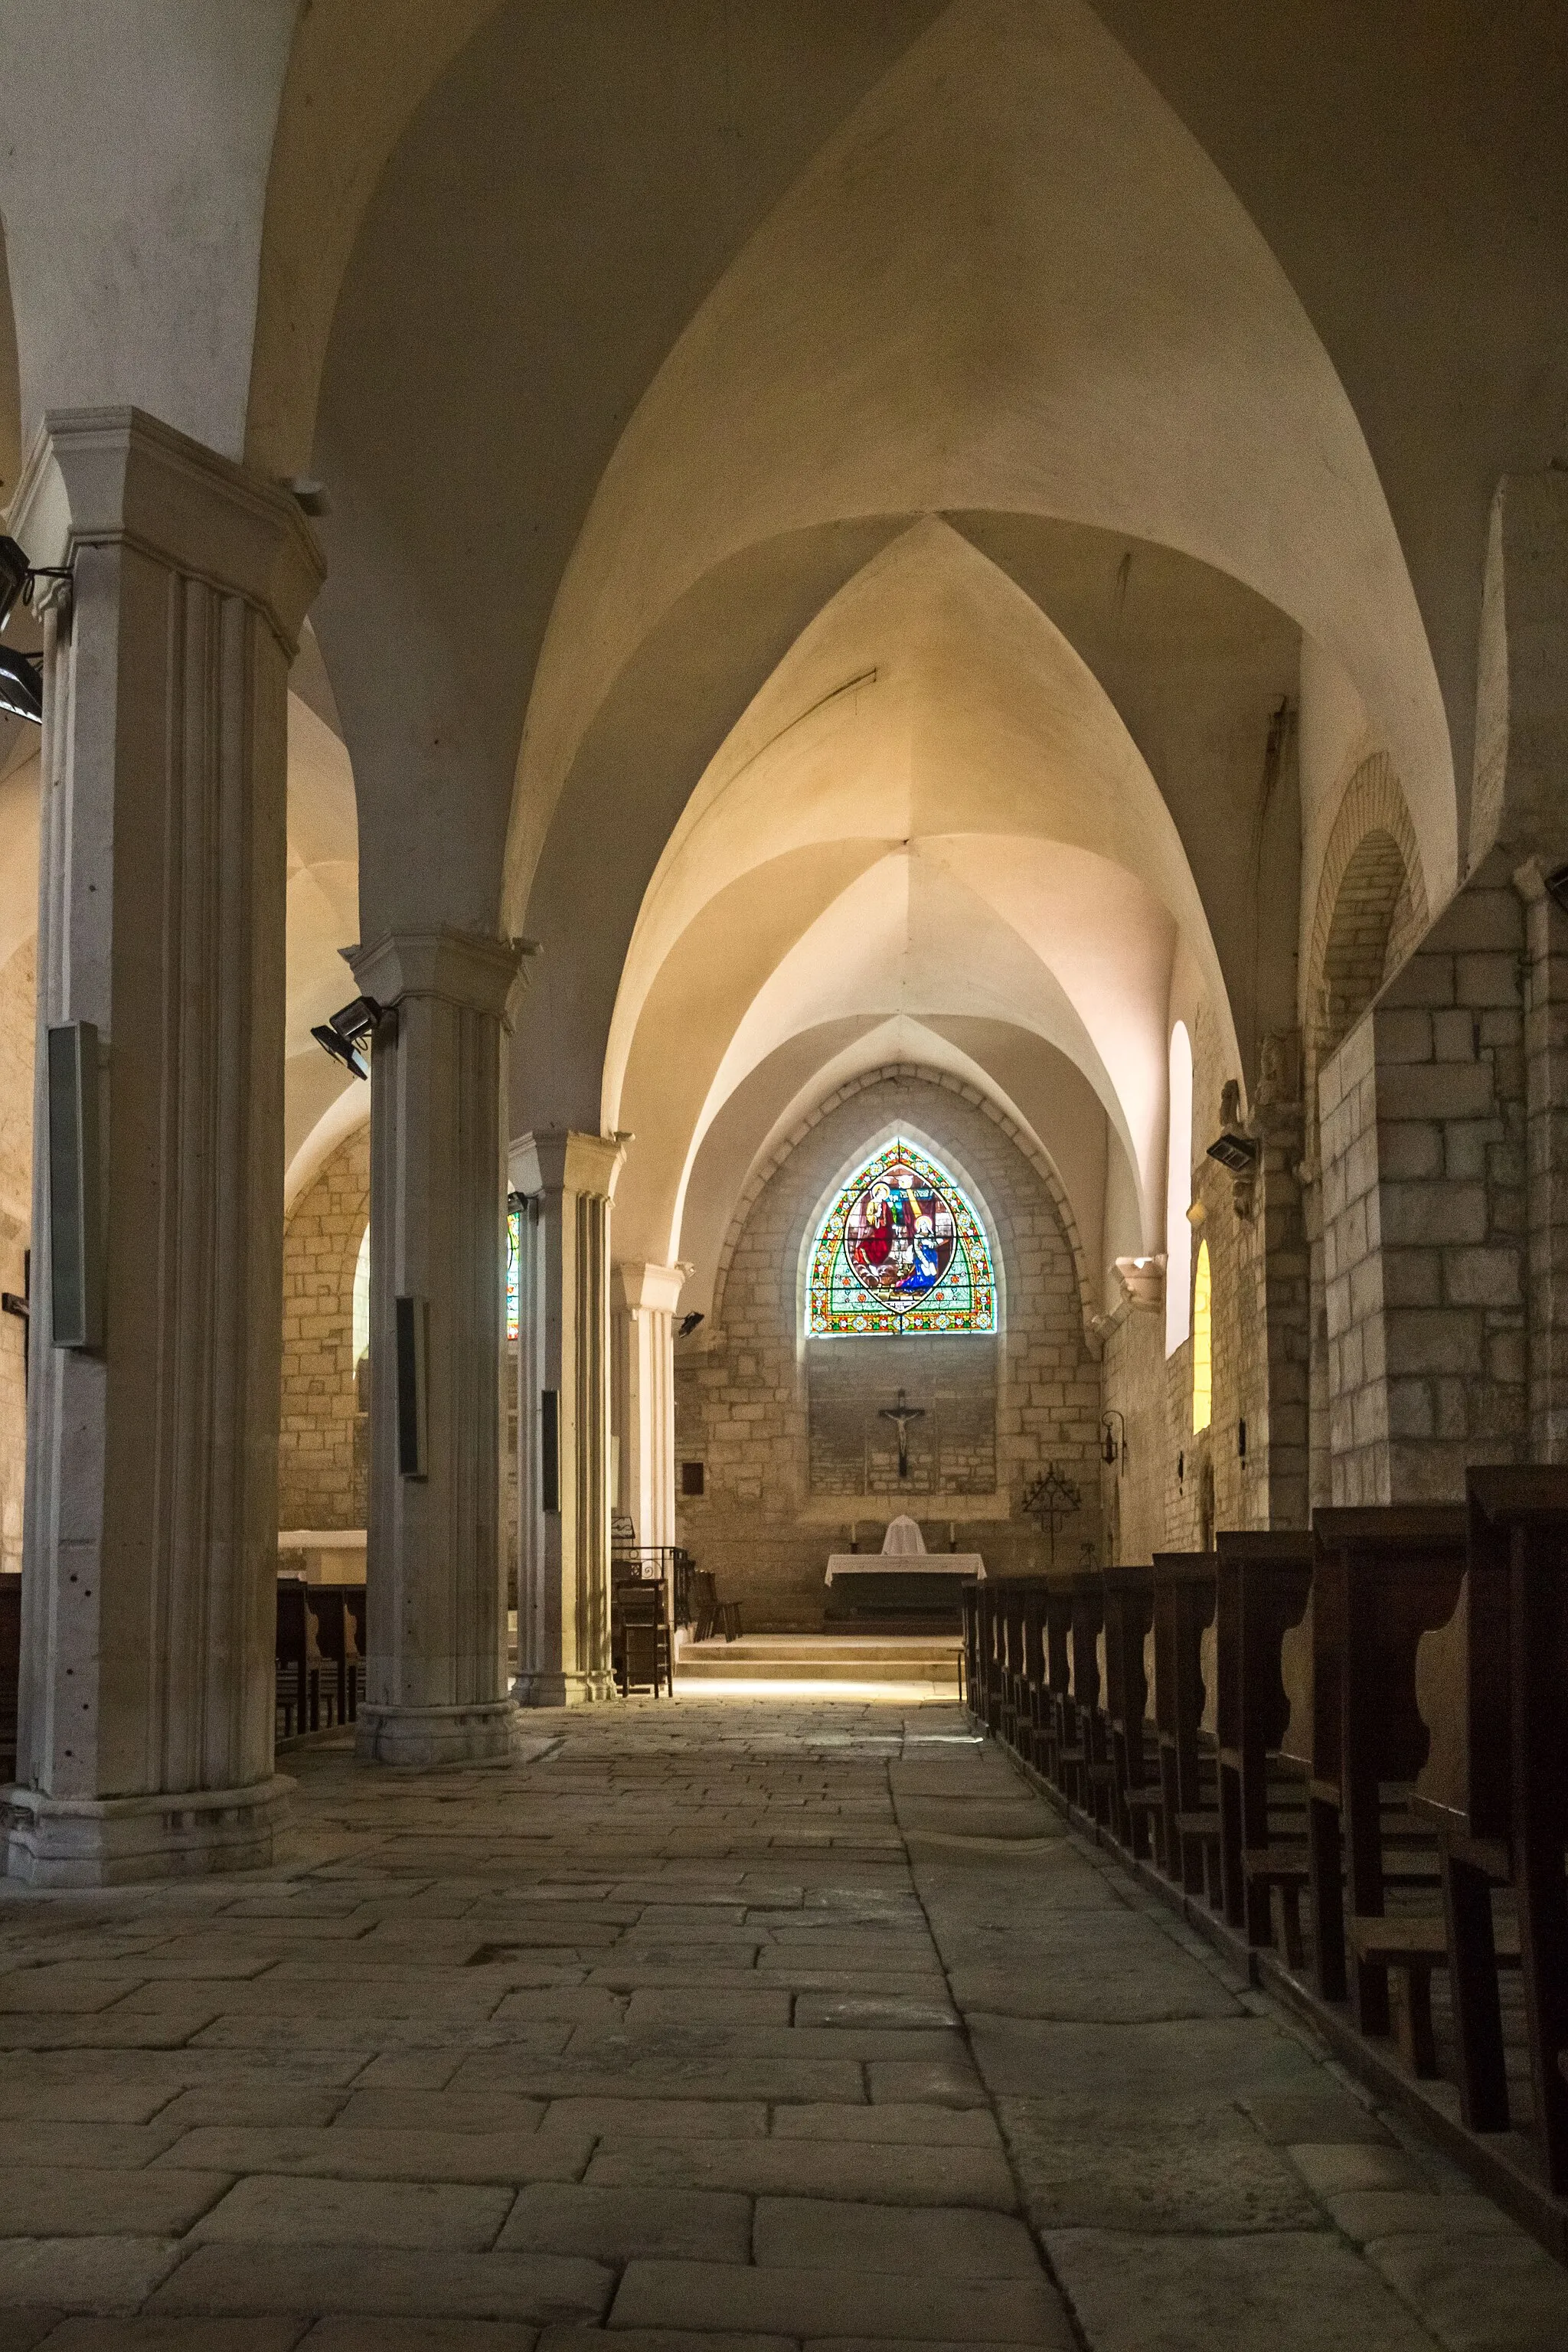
890, 1073
1371, 904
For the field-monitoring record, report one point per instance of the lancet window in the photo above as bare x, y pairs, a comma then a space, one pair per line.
902, 1250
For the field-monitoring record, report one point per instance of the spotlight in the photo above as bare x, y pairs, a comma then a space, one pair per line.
21, 675
1236, 1152
14, 570
21, 682
689, 1322
341, 1036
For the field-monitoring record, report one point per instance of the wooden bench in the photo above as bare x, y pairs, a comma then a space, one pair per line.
1382, 1577
1129, 1620
1262, 1583
1056, 1643
1184, 1610
1409, 1947
1491, 1687
1083, 1748
338, 1610
305, 1682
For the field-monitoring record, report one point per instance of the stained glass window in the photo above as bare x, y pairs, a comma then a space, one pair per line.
902, 1250
514, 1241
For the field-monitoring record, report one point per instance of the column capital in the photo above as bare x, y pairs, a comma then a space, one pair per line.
460, 967
656, 1287
119, 478
559, 1159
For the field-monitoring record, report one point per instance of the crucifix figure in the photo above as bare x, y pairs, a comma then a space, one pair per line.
902, 1414
21, 1306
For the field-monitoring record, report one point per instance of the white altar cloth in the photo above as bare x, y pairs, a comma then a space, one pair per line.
920, 1563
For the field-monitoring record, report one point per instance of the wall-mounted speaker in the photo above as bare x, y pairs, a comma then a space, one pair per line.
413, 1409
550, 1449
76, 1229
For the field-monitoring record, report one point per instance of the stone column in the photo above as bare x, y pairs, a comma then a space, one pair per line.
563, 1416
645, 1299
435, 1680
146, 1690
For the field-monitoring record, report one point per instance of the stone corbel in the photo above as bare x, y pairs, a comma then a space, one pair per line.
1143, 1281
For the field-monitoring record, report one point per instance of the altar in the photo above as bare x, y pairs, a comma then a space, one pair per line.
904, 1582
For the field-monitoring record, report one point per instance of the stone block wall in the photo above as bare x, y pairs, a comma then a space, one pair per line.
1422, 1118
744, 1388
951, 1450
17, 1017
321, 1461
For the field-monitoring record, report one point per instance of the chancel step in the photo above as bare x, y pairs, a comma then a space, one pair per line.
823, 1657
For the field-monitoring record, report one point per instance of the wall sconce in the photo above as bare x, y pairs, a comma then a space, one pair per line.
1181, 1470
1241, 1439
1111, 1446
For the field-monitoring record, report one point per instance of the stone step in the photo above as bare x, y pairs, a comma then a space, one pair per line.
808, 1657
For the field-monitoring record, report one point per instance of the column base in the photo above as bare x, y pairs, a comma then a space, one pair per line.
437, 1734
549, 1687
115, 1841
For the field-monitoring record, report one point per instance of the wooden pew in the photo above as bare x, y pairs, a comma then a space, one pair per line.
337, 1642
301, 1670
1055, 1642
1382, 1577
10, 1670
1491, 1687
1128, 1620
1184, 1595
1083, 1750
1037, 1727
1012, 1668
969, 1648
1262, 1586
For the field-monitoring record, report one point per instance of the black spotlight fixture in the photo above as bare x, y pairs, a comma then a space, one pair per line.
22, 685
342, 1036
689, 1322
21, 675
1236, 1152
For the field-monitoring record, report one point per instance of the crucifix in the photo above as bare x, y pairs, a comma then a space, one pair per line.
902, 1414
21, 1306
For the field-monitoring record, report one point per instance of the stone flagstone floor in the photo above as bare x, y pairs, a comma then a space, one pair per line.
745, 2025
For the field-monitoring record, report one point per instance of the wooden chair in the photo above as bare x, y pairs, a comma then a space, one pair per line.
639, 1638
1128, 1620
10, 1670
712, 1616
1382, 1577
1185, 1592
1262, 1586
